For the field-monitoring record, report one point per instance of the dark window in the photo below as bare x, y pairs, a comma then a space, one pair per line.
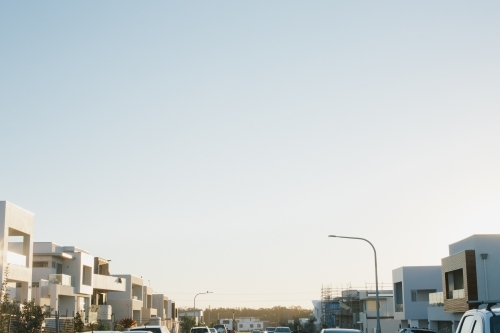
455, 284
495, 324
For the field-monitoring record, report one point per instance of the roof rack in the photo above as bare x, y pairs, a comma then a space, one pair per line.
489, 303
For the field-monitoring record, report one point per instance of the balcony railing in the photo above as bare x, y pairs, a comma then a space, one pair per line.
398, 308
436, 299
454, 294
62, 279
16, 259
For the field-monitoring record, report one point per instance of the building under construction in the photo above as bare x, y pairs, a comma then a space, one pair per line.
340, 307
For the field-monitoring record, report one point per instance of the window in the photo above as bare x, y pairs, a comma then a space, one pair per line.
240, 325
455, 284
398, 297
258, 325
40, 264
87, 276
371, 305
251, 325
413, 295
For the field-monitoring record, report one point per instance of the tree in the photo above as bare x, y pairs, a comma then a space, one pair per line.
28, 316
187, 323
5, 304
310, 327
78, 323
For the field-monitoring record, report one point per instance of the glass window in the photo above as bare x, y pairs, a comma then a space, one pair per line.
495, 324
413, 295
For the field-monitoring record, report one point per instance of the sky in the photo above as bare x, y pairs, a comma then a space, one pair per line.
214, 146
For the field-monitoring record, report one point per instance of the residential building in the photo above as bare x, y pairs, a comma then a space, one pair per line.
148, 310
129, 303
69, 279
368, 314
196, 313
247, 324
412, 286
470, 272
16, 253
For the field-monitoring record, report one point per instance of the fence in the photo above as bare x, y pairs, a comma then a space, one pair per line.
57, 324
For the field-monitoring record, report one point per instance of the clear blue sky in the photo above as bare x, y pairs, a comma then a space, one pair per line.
215, 145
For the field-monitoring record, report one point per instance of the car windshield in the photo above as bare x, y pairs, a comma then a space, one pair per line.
152, 329
199, 330
282, 329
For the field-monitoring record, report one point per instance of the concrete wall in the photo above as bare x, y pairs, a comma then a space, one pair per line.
416, 278
15, 221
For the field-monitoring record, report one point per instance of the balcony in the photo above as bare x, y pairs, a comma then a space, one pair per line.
436, 299
456, 294
16, 259
109, 283
398, 308
62, 279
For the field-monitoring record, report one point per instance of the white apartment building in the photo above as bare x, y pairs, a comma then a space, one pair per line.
16, 252
129, 302
164, 310
69, 279
197, 314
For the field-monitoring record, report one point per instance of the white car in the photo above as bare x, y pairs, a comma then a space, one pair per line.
485, 320
340, 330
152, 328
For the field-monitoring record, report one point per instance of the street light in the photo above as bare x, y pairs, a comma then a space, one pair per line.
378, 330
194, 303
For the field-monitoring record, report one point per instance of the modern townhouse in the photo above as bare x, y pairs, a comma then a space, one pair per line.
368, 314
148, 311
469, 273
16, 253
160, 303
412, 287
128, 303
69, 279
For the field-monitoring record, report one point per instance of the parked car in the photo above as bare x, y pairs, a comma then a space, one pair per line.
200, 329
282, 329
212, 330
256, 331
340, 330
485, 320
152, 328
270, 329
221, 328
416, 330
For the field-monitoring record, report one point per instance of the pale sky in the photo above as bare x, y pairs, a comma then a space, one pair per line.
215, 145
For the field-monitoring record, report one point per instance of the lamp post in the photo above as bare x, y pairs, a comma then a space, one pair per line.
378, 330
194, 303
